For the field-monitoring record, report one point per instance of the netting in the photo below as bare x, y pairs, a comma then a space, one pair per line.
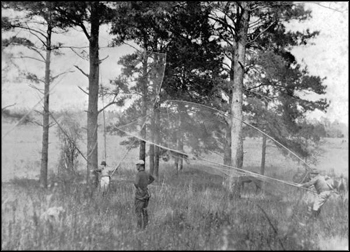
187, 133
198, 136
145, 79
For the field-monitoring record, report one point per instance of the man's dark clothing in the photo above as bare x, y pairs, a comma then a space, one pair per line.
142, 196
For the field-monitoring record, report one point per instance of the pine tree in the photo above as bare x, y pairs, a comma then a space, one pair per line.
48, 22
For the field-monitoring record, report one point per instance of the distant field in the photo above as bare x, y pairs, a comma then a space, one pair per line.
21, 153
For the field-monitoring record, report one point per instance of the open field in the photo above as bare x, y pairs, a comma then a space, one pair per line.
188, 211
21, 154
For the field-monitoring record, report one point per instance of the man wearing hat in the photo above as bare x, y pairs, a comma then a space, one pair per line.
142, 196
323, 185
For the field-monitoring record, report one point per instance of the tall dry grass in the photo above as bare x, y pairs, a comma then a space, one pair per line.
188, 211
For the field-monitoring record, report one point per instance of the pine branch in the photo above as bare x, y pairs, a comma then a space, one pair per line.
83, 90
131, 46
37, 89
78, 54
261, 33
31, 32
232, 29
100, 61
53, 78
37, 123
28, 57
38, 52
8, 106
39, 112
42, 125
81, 71
109, 104
51, 124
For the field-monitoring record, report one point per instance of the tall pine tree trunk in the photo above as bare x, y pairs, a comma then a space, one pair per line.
263, 155
46, 114
92, 113
142, 154
179, 138
263, 150
227, 146
157, 138
237, 88
154, 149
151, 146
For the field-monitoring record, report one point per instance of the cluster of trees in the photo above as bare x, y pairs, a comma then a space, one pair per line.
334, 129
232, 56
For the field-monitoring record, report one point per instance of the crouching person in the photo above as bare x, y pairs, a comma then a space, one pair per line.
324, 186
142, 196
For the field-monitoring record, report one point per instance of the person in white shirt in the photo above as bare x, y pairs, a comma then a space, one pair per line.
105, 177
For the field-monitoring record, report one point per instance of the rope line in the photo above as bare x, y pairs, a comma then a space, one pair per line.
231, 167
254, 174
51, 89
30, 111
130, 147
222, 112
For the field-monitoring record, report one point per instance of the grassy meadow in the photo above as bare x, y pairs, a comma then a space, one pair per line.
189, 210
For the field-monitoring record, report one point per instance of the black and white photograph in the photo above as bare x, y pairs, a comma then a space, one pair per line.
174, 125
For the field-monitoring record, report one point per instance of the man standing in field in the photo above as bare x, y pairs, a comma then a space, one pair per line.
104, 177
324, 186
142, 196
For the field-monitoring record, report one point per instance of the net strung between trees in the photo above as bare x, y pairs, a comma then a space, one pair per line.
191, 132
183, 131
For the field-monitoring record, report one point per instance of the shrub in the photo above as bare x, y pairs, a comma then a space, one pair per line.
69, 133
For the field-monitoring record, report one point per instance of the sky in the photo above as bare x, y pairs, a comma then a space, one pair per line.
327, 56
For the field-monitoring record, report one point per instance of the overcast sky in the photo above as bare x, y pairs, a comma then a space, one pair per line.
328, 57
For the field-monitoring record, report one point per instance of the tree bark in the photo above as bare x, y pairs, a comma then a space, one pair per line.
151, 146
142, 154
153, 149
263, 155
263, 150
179, 138
227, 146
237, 88
46, 114
157, 137
92, 114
